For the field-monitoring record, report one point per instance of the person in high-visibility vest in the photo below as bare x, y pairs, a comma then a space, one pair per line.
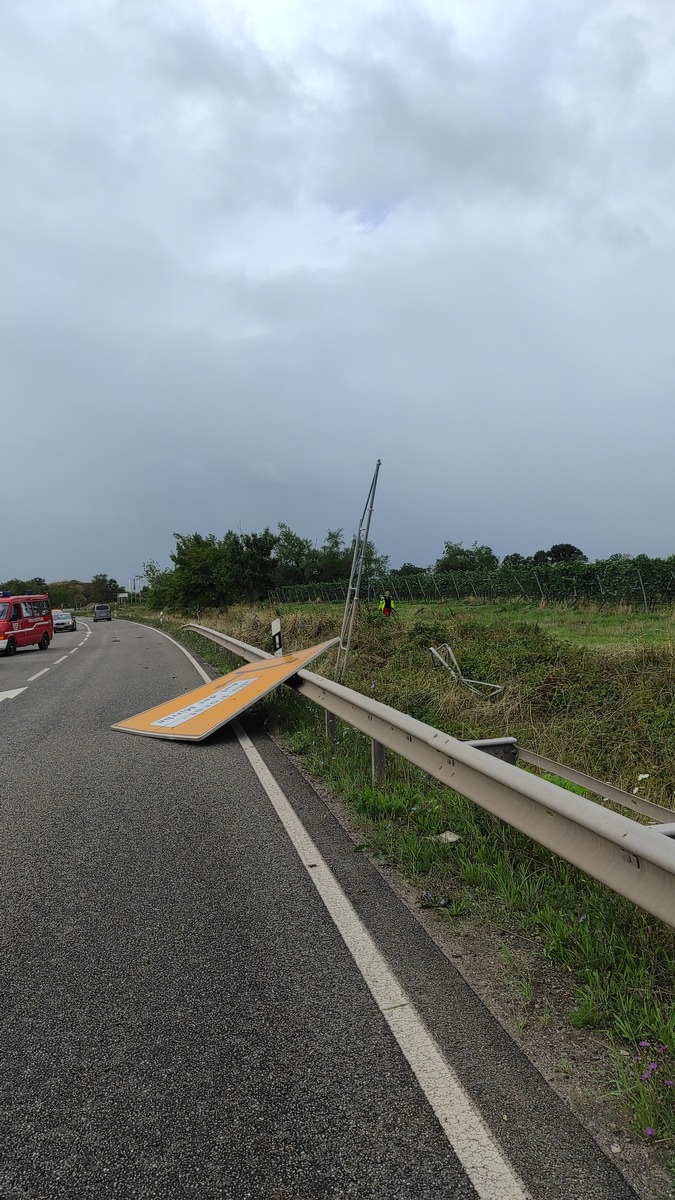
386, 604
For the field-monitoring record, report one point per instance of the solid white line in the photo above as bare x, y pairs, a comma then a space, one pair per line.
55, 664
43, 672
489, 1170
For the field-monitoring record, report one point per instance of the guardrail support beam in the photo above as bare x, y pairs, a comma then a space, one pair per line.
378, 761
505, 748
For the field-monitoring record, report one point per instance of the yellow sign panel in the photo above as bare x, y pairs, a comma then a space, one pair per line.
194, 715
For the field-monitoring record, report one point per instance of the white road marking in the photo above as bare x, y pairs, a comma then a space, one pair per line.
11, 695
200, 670
73, 651
489, 1170
55, 664
43, 672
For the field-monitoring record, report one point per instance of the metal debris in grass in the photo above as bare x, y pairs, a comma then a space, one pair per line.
444, 655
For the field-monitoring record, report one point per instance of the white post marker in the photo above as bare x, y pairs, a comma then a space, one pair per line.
276, 638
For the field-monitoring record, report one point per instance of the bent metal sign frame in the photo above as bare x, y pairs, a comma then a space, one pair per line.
196, 714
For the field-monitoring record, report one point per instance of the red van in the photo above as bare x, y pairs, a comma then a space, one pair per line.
25, 621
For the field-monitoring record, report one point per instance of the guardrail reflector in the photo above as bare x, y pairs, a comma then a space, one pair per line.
194, 715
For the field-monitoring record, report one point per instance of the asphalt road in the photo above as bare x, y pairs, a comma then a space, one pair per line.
180, 1015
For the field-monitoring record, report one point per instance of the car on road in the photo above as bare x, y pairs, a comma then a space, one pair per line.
102, 612
64, 619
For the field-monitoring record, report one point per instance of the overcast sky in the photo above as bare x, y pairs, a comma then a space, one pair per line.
247, 249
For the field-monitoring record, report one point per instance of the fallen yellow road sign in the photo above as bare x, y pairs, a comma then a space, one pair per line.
194, 715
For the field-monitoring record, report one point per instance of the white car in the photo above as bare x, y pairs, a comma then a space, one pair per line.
63, 619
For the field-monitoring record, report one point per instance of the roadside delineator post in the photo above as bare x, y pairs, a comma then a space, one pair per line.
276, 637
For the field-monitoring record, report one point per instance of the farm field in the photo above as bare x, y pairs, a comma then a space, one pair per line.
590, 627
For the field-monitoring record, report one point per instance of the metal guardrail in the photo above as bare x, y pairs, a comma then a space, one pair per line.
630, 858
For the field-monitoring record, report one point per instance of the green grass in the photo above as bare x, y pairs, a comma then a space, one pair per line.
605, 707
585, 626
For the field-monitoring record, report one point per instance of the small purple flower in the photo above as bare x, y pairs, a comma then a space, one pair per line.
669, 1082
643, 1044
647, 1076
649, 1132
653, 1067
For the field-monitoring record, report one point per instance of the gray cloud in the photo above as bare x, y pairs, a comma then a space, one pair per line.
235, 272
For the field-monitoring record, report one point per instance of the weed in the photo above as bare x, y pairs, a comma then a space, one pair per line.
647, 1079
545, 1015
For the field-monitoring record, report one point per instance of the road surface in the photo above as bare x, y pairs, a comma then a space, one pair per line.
207, 993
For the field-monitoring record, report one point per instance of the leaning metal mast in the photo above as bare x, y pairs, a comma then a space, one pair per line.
354, 589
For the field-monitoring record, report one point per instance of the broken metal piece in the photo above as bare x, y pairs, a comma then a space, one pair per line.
444, 655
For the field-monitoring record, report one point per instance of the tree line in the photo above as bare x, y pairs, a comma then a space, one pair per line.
209, 571
66, 593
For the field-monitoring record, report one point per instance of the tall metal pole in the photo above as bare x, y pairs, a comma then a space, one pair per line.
354, 588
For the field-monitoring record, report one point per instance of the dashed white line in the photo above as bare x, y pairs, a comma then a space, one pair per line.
73, 650
43, 672
55, 664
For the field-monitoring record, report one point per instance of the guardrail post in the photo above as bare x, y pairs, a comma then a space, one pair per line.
377, 760
331, 728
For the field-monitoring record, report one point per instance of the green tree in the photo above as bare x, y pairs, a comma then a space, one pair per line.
160, 586
296, 558
68, 593
255, 564
102, 589
516, 560
375, 565
457, 557
334, 558
205, 570
565, 552
409, 569
25, 587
